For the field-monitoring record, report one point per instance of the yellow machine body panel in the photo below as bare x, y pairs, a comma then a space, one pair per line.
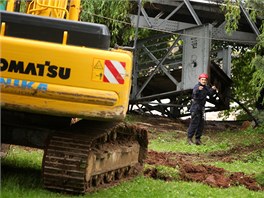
64, 80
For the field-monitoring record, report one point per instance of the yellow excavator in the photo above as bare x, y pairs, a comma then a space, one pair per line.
55, 68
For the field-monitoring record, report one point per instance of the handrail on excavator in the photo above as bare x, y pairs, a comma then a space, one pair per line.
55, 8
62, 9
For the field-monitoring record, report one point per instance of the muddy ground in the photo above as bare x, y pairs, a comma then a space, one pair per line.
194, 167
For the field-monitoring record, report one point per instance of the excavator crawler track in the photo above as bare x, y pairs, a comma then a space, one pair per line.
79, 162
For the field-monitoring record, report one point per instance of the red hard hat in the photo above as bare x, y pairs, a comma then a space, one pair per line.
203, 75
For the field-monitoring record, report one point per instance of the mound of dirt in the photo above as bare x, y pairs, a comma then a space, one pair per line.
211, 175
200, 171
216, 177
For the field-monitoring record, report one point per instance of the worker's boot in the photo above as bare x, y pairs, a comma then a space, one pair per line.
198, 142
189, 141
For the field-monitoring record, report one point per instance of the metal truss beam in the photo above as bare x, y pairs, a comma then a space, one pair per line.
252, 24
190, 8
159, 66
175, 85
178, 13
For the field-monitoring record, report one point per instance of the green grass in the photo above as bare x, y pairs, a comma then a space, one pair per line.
145, 187
246, 137
28, 185
238, 166
21, 170
252, 164
19, 157
21, 174
171, 142
175, 141
260, 178
165, 171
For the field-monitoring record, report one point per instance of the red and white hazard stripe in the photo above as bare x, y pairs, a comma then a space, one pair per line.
114, 72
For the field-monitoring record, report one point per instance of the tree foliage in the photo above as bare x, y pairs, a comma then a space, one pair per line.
248, 64
115, 15
110, 13
232, 15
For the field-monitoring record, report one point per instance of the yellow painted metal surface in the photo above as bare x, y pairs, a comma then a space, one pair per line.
61, 108
65, 37
50, 8
59, 92
3, 26
74, 12
62, 80
10, 5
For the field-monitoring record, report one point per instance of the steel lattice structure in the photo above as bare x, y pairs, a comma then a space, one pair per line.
166, 65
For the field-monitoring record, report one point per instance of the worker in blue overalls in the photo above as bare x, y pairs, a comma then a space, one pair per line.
199, 94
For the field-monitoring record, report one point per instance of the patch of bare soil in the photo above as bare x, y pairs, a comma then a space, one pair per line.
193, 167
211, 175
4, 149
163, 124
217, 177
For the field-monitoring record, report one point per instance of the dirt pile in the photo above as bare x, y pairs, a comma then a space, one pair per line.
211, 175
216, 177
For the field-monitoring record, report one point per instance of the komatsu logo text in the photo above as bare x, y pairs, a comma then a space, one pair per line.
36, 69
